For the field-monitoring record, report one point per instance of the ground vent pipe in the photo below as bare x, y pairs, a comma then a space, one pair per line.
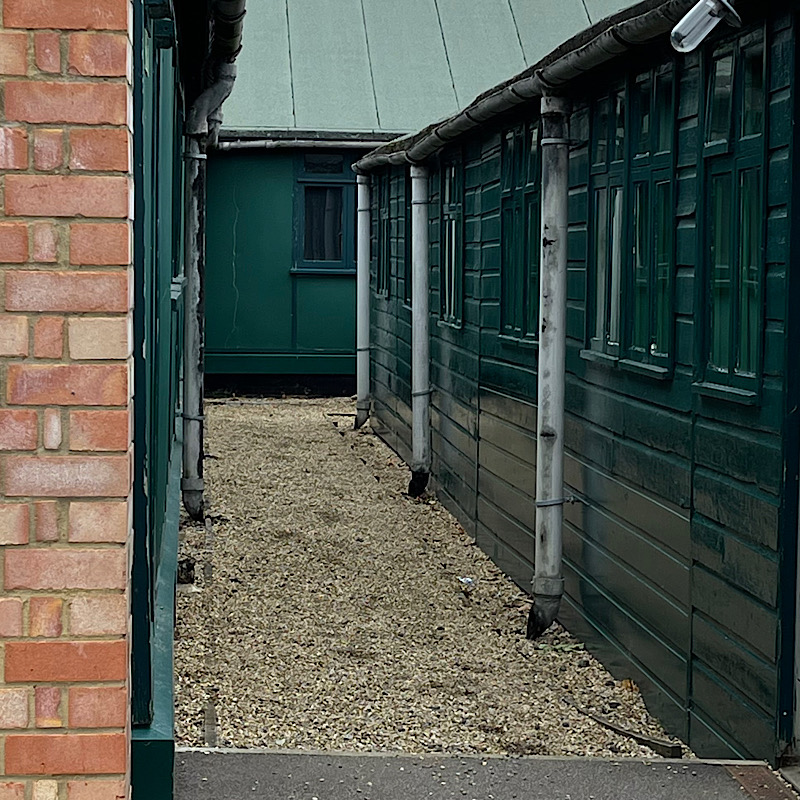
548, 583
420, 339
362, 300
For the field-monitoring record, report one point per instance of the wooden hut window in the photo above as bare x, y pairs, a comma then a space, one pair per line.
451, 245
736, 216
519, 232
631, 256
324, 213
383, 266
408, 240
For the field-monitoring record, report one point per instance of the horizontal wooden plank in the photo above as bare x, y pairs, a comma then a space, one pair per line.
514, 471
510, 532
507, 437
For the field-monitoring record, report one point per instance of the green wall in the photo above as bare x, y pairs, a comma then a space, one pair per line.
679, 554
260, 316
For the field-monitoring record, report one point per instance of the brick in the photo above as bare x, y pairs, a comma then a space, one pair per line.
48, 149
13, 336
44, 617
101, 149
98, 338
66, 754
98, 522
45, 243
67, 291
67, 196
14, 523
45, 790
46, 521
13, 708
51, 568
103, 244
52, 429
48, 337
18, 429
68, 384
98, 54
81, 103
67, 14
95, 790
98, 707
48, 707
101, 431
12, 791
13, 148
13, 53
67, 476
13, 235
65, 662
98, 615
10, 616
47, 52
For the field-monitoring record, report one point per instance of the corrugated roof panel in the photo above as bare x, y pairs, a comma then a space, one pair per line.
262, 94
600, 9
539, 37
409, 64
330, 66
482, 43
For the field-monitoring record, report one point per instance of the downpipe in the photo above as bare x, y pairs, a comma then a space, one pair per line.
201, 126
362, 300
420, 338
548, 583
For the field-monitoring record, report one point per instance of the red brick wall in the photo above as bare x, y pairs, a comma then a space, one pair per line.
65, 443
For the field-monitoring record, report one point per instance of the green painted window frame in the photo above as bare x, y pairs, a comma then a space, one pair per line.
451, 240
735, 166
346, 181
408, 249
383, 262
520, 209
631, 256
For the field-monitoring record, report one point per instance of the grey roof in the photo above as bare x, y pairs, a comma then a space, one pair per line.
388, 66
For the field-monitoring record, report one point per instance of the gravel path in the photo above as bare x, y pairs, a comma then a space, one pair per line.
327, 610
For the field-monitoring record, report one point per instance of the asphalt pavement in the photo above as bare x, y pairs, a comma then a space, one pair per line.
217, 774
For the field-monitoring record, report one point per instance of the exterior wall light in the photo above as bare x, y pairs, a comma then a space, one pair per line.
700, 21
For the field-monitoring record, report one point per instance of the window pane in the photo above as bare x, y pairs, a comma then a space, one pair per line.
719, 113
534, 168
323, 234
601, 261
616, 265
600, 133
640, 333
408, 243
619, 127
753, 95
749, 268
508, 159
534, 240
664, 112
663, 268
721, 272
323, 163
509, 270
642, 116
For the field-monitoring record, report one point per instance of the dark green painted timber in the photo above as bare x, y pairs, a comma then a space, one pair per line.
680, 547
267, 312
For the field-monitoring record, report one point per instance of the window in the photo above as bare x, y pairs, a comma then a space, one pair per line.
631, 228
407, 239
519, 233
384, 243
451, 234
734, 150
324, 213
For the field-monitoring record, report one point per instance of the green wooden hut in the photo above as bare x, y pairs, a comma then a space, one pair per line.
680, 433
319, 84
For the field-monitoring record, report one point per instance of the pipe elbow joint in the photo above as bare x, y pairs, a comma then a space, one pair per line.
194, 504
362, 415
418, 483
543, 614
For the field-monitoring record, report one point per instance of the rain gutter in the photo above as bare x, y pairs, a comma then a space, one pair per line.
584, 52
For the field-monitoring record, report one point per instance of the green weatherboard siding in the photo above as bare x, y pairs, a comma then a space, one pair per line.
262, 314
679, 554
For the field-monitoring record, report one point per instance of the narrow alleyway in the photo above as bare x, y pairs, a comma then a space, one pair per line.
330, 611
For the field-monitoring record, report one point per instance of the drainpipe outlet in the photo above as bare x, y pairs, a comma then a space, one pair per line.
418, 483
